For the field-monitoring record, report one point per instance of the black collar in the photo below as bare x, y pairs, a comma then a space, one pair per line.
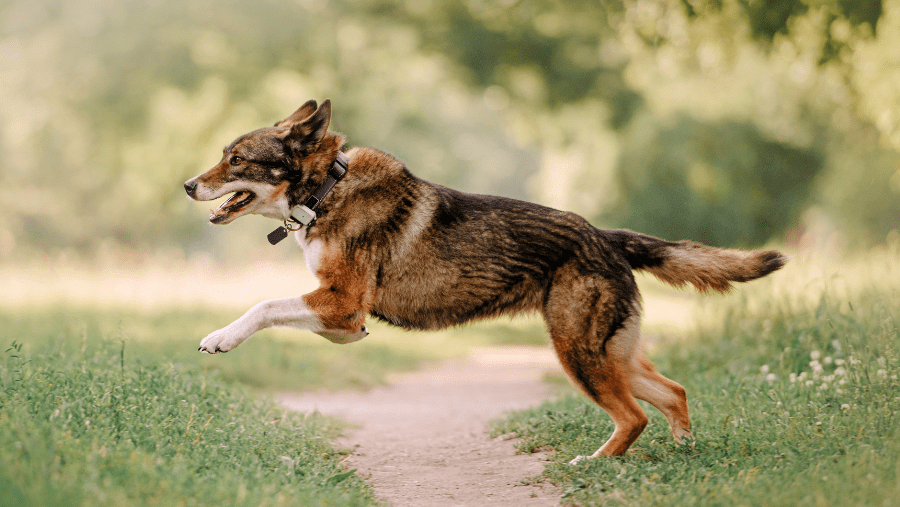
304, 214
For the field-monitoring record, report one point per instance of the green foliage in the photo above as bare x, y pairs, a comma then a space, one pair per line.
100, 429
542, 53
861, 191
107, 107
793, 403
718, 183
768, 19
771, 17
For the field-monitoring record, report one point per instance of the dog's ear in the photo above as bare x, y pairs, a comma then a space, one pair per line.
305, 136
305, 111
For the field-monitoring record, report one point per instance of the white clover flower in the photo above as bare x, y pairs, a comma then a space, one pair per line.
839, 362
839, 391
843, 381
792, 377
778, 404
881, 362
802, 376
828, 360
845, 406
854, 361
882, 373
764, 369
840, 371
815, 355
771, 377
824, 386
893, 377
836, 344
809, 383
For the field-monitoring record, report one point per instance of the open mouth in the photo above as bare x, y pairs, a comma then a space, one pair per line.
231, 206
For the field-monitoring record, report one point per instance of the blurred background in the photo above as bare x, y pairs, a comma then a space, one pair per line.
738, 123
731, 122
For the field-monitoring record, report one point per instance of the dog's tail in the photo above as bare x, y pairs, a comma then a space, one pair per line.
682, 262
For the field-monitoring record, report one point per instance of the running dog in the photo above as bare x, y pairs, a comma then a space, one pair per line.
385, 243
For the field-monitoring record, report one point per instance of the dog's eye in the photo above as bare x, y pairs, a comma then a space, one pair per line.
235, 160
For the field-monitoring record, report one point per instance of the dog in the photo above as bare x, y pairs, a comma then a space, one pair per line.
422, 256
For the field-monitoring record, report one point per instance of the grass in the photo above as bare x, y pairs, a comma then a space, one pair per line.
113, 407
280, 359
794, 396
99, 428
792, 386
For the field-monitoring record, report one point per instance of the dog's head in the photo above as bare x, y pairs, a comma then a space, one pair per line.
260, 168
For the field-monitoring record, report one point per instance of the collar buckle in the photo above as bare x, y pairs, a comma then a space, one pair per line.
303, 214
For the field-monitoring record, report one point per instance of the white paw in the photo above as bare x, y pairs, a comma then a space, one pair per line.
222, 340
578, 459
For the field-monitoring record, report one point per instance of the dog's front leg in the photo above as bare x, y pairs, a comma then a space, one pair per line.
323, 311
286, 312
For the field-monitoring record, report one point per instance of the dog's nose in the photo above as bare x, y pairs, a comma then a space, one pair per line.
190, 186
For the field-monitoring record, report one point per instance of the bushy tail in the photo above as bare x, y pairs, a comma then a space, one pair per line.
682, 262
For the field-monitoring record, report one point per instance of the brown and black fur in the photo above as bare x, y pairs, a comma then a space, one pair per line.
422, 256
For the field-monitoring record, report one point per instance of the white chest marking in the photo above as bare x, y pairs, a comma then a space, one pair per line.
312, 250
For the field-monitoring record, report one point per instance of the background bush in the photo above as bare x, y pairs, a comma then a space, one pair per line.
657, 115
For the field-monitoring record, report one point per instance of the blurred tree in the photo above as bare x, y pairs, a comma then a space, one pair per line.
774, 74
719, 183
860, 189
106, 106
544, 53
770, 17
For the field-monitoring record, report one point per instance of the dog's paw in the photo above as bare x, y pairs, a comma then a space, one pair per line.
685, 441
579, 459
219, 341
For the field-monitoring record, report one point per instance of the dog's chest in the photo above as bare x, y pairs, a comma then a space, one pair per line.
312, 250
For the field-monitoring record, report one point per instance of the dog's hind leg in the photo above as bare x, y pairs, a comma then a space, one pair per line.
666, 395
594, 336
605, 380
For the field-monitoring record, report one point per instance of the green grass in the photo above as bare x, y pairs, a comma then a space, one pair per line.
117, 407
99, 428
794, 399
276, 359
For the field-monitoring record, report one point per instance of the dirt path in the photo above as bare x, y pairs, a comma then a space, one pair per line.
423, 441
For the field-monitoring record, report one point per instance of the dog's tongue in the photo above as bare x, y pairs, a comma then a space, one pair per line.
223, 210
